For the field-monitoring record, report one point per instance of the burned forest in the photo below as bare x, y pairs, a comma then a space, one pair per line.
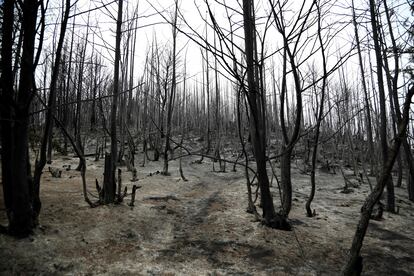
206, 137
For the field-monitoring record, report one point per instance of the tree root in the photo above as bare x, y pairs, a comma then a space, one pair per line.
277, 222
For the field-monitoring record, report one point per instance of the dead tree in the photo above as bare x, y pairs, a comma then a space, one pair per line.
173, 88
182, 118
134, 25
289, 58
353, 262
19, 196
217, 113
382, 103
393, 86
79, 89
370, 152
109, 185
40, 164
319, 117
206, 96
65, 118
257, 121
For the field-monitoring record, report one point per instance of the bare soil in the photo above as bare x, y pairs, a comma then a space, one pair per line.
201, 227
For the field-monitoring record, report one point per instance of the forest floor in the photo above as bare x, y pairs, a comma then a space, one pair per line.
201, 227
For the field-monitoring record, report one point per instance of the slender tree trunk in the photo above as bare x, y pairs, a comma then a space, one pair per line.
78, 120
217, 111
370, 153
67, 92
109, 175
208, 102
410, 176
172, 93
289, 143
319, 119
131, 70
286, 180
257, 122
40, 164
183, 121
406, 146
94, 88
353, 264
383, 110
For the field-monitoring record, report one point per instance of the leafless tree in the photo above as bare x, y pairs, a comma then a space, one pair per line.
109, 188
20, 199
40, 164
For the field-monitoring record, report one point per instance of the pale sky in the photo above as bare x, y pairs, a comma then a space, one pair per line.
151, 24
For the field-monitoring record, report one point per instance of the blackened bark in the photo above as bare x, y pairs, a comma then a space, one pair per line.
257, 122
395, 101
109, 184
318, 119
172, 93
47, 135
370, 155
6, 102
383, 110
285, 181
351, 265
16, 178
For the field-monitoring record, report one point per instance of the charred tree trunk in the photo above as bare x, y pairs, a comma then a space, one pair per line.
285, 180
353, 264
383, 110
67, 90
208, 101
78, 120
396, 107
172, 93
319, 119
19, 195
46, 140
110, 160
257, 122
370, 154
290, 55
